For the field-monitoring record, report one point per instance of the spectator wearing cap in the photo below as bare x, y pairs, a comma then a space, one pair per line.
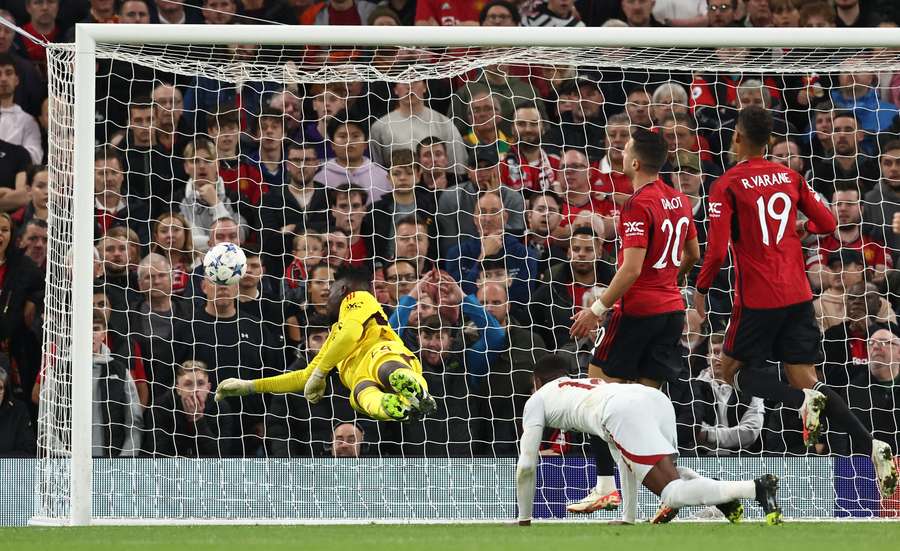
554, 13
845, 269
350, 140
581, 117
873, 396
456, 206
410, 122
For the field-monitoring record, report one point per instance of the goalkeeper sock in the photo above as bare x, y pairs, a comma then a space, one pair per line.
764, 384
368, 401
705, 491
837, 412
606, 466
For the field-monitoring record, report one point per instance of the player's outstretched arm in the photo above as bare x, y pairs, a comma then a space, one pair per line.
526, 468
293, 381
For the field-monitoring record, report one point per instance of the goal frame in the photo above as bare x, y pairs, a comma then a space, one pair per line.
87, 36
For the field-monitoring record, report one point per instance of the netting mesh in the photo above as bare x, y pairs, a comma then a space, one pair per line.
258, 145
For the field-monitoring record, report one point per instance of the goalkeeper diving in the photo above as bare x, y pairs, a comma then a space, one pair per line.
383, 375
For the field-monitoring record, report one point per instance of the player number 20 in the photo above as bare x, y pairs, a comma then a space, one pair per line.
672, 249
770, 210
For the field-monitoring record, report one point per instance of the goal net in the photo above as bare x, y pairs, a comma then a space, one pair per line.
480, 187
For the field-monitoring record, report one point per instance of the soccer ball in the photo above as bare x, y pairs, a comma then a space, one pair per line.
225, 264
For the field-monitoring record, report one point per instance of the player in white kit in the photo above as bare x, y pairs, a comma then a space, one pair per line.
638, 424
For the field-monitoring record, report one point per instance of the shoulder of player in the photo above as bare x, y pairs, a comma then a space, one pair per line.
358, 301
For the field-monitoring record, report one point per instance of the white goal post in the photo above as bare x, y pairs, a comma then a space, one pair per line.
66, 482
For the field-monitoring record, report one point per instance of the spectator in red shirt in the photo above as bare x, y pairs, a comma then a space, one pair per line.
349, 212
849, 235
612, 178
530, 166
172, 239
447, 13
581, 206
42, 25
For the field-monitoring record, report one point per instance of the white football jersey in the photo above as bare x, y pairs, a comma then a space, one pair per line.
570, 404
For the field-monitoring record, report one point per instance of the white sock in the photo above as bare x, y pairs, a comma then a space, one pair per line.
705, 491
606, 484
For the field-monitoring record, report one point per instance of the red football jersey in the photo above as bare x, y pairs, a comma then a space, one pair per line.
658, 218
449, 12
754, 206
536, 176
872, 251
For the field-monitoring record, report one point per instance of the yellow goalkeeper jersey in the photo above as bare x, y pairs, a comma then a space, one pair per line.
356, 344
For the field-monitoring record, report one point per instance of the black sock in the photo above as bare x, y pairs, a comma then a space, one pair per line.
605, 464
840, 416
766, 385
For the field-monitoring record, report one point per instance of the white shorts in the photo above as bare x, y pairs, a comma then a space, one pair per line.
640, 423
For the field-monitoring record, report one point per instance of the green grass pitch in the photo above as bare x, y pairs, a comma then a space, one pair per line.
548, 536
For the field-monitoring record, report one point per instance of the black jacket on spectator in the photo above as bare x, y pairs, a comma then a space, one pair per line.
454, 430
13, 160
268, 308
509, 385
839, 367
232, 347
280, 208
297, 428
552, 308
23, 283
155, 335
826, 174
122, 289
113, 398
384, 221
17, 436
879, 207
702, 409
169, 433
877, 404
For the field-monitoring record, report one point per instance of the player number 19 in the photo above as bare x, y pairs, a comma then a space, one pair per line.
769, 209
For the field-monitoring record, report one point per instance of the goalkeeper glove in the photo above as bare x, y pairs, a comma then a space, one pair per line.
315, 386
233, 387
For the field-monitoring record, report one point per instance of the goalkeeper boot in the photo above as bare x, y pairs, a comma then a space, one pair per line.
408, 386
596, 501
885, 468
766, 488
733, 511
664, 515
811, 414
395, 407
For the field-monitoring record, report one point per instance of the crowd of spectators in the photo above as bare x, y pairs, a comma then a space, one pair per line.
484, 205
